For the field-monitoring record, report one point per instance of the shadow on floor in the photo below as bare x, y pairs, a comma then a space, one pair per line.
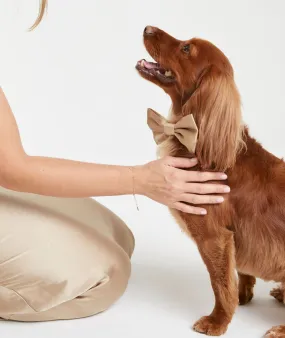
189, 295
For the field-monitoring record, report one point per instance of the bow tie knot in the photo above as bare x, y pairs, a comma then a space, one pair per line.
185, 130
169, 129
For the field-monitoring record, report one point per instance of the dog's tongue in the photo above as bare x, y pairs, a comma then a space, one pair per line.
149, 65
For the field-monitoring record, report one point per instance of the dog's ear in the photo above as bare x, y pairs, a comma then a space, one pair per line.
216, 107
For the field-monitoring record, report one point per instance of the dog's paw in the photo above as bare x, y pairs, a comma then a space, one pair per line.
245, 295
278, 294
276, 332
210, 326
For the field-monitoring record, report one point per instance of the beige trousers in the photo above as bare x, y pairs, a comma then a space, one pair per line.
60, 258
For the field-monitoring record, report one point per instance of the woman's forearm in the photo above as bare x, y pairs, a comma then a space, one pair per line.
160, 180
67, 178
52, 176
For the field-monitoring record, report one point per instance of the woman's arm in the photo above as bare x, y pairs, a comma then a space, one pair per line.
159, 180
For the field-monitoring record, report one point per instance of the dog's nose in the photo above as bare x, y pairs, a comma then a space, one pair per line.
149, 30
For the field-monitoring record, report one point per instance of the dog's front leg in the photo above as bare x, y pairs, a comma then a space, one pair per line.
219, 257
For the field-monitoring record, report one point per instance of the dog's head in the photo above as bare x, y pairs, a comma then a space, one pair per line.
200, 81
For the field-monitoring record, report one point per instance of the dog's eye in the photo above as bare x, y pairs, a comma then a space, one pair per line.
186, 48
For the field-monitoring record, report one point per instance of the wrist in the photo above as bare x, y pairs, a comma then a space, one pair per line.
140, 181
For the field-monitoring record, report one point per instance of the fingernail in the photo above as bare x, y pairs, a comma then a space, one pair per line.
194, 160
220, 199
203, 212
227, 189
224, 176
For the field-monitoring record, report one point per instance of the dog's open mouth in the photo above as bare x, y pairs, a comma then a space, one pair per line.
155, 70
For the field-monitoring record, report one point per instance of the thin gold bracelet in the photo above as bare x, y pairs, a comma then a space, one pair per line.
134, 191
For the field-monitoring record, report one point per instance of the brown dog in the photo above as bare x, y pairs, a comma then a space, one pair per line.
246, 232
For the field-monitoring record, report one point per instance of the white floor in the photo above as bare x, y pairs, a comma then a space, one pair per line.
169, 289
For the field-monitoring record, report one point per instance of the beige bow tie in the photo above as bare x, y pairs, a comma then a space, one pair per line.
185, 130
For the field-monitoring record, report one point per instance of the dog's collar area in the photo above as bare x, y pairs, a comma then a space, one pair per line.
185, 130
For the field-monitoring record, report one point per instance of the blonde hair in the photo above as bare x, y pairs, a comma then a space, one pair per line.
42, 11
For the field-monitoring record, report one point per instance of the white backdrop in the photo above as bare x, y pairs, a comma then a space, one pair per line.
68, 79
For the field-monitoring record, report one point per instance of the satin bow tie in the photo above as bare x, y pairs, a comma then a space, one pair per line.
185, 130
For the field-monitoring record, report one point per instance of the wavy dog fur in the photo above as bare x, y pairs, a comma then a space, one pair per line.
247, 232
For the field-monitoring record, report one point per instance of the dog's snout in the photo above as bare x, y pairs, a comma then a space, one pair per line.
149, 30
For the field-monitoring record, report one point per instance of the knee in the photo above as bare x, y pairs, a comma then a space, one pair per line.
110, 289
119, 274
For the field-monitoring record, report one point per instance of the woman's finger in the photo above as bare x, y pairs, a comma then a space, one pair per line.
202, 176
180, 162
203, 188
201, 199
189, 209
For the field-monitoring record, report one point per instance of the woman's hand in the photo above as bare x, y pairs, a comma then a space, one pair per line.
165, 182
